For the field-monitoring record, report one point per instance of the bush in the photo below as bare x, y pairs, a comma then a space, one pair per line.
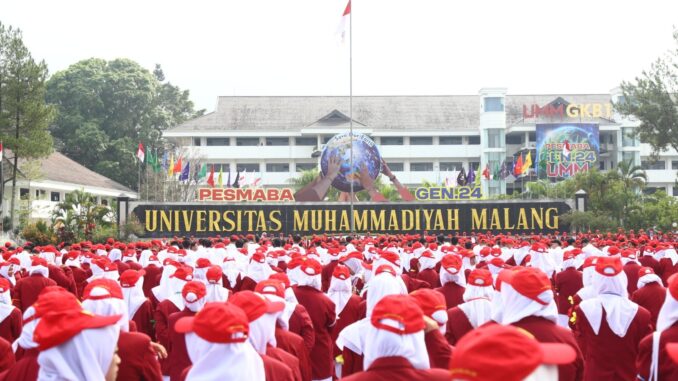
589, 221
39, 233
101, 233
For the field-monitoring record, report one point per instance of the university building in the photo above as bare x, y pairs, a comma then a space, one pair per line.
422, 138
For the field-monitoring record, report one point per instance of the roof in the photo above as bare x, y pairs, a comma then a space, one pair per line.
58, 167
398, 113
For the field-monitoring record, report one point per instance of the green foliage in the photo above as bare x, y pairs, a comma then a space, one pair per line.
589, 221
107, 107
79, 215
39, 233
651, 99
306, 177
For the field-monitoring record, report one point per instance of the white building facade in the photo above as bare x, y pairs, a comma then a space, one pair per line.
422, 138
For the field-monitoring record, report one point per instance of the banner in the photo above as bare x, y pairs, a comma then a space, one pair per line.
565, 149
167, 220
459, 193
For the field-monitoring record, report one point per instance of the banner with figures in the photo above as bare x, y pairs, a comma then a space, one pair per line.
565, 149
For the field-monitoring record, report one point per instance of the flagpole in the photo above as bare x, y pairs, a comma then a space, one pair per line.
350, 106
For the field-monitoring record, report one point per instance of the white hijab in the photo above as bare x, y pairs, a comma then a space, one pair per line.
6, 306
108, 307
381, 343
516, 306
216, 292
613, 298
259, 271
216, 362
262, 332
134, 297
478, 305
163, 290
340, 292
25, 339
86, 356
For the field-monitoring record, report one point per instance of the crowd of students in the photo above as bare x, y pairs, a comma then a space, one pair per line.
371, 307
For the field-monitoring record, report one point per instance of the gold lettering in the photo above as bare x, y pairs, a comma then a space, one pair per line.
229, 221
538, 217
274, 216
165, 221
360, 220
378, 220
552, 218
316, 220
393, 220
301, 220
261, 221
214, 220
495, 222
330, 220
428, 213
478, 221
151, 220
453, 220
507, 220
408, 220
345, 222
202, 218
439, 224
522, 219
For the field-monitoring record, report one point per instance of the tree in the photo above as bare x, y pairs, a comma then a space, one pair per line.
107, 107
651, 98
79, 215
24, 116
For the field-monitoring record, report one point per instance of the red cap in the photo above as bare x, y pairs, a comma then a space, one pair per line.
672, 350
391, 257
221, 323
37, 261
258, 257
498, 262
184, 273
202, 263
451, 263
102, 288
4, 285
53, 299
673, 286
608, 266
214, 274
281, 277
385, 269
590, 261
496, 251
429, 300
57, 327
193, 291
399, 314
129, 278
271, 287
531, 283
568, 255
341, 272
427, 254
480, 278
503, 353
645, 271
485, 251
613, 250
255, 305
311, 267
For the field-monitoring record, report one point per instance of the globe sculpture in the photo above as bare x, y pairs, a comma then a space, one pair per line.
365, 153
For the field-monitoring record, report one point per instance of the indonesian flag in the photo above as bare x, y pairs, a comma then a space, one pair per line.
1, 151
178, 167
141, 155
566, 150
486, 172
345, 19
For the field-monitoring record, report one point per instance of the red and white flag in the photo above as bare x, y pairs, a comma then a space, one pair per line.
141, 155
1, 151
345, 19
566, 150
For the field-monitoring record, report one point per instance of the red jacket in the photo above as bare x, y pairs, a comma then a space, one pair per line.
398, 369
321, 310
651, 297
567, 283
457, 325
27, 290
138, 362
439, 351
294, 345
668, 370
454, 294
276, 370
177, 354
10, 328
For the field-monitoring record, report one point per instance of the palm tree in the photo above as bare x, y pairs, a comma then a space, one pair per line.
633, 179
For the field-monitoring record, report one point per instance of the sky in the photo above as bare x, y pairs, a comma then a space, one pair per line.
400, 47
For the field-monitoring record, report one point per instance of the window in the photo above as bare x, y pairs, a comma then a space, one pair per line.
277, 167
494, 104
277, 141
391, 140
495, 137
514, 139
675, 191
421, 141
23, 193
396, 167
246, 141
674, 164
197, 141
652, 190
450, 166
219, 142
306, 141
653, 165
223, 167
55, 196
473, 165
450, 140
249, 167
306, 166
104, 202
532, 136
327, 139
474, 140
601, 165
40, 194
628, 156
421, 167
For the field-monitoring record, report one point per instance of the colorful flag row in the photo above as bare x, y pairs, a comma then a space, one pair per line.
518, 168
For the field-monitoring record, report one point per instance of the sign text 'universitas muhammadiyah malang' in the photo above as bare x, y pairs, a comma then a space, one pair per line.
161, 220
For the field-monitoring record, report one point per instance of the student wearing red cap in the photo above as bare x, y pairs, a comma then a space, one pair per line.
261, 315
427, 272
432, 304
505, 353
290, 342
154, 271
476, 309
80, 275
10, 316
631, 268
653, 361
138, 359
669, 263
321, 309
328, 269
217, 345
452, 280
216, 292
528, 303
567, 282
138, 305
171, 301
27, 289
300, 322
609, 326
394, 345
348, 307
193, 296
650, 293
77, 345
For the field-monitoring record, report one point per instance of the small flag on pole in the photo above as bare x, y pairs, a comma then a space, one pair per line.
185, 172
228, 181
178, 166
518, 166
527, 164
1, 151
471, 177
345, 19
141, 154
486, 172
220, 180
203, 172
210, 178
170, 167
566, 151
461, 178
